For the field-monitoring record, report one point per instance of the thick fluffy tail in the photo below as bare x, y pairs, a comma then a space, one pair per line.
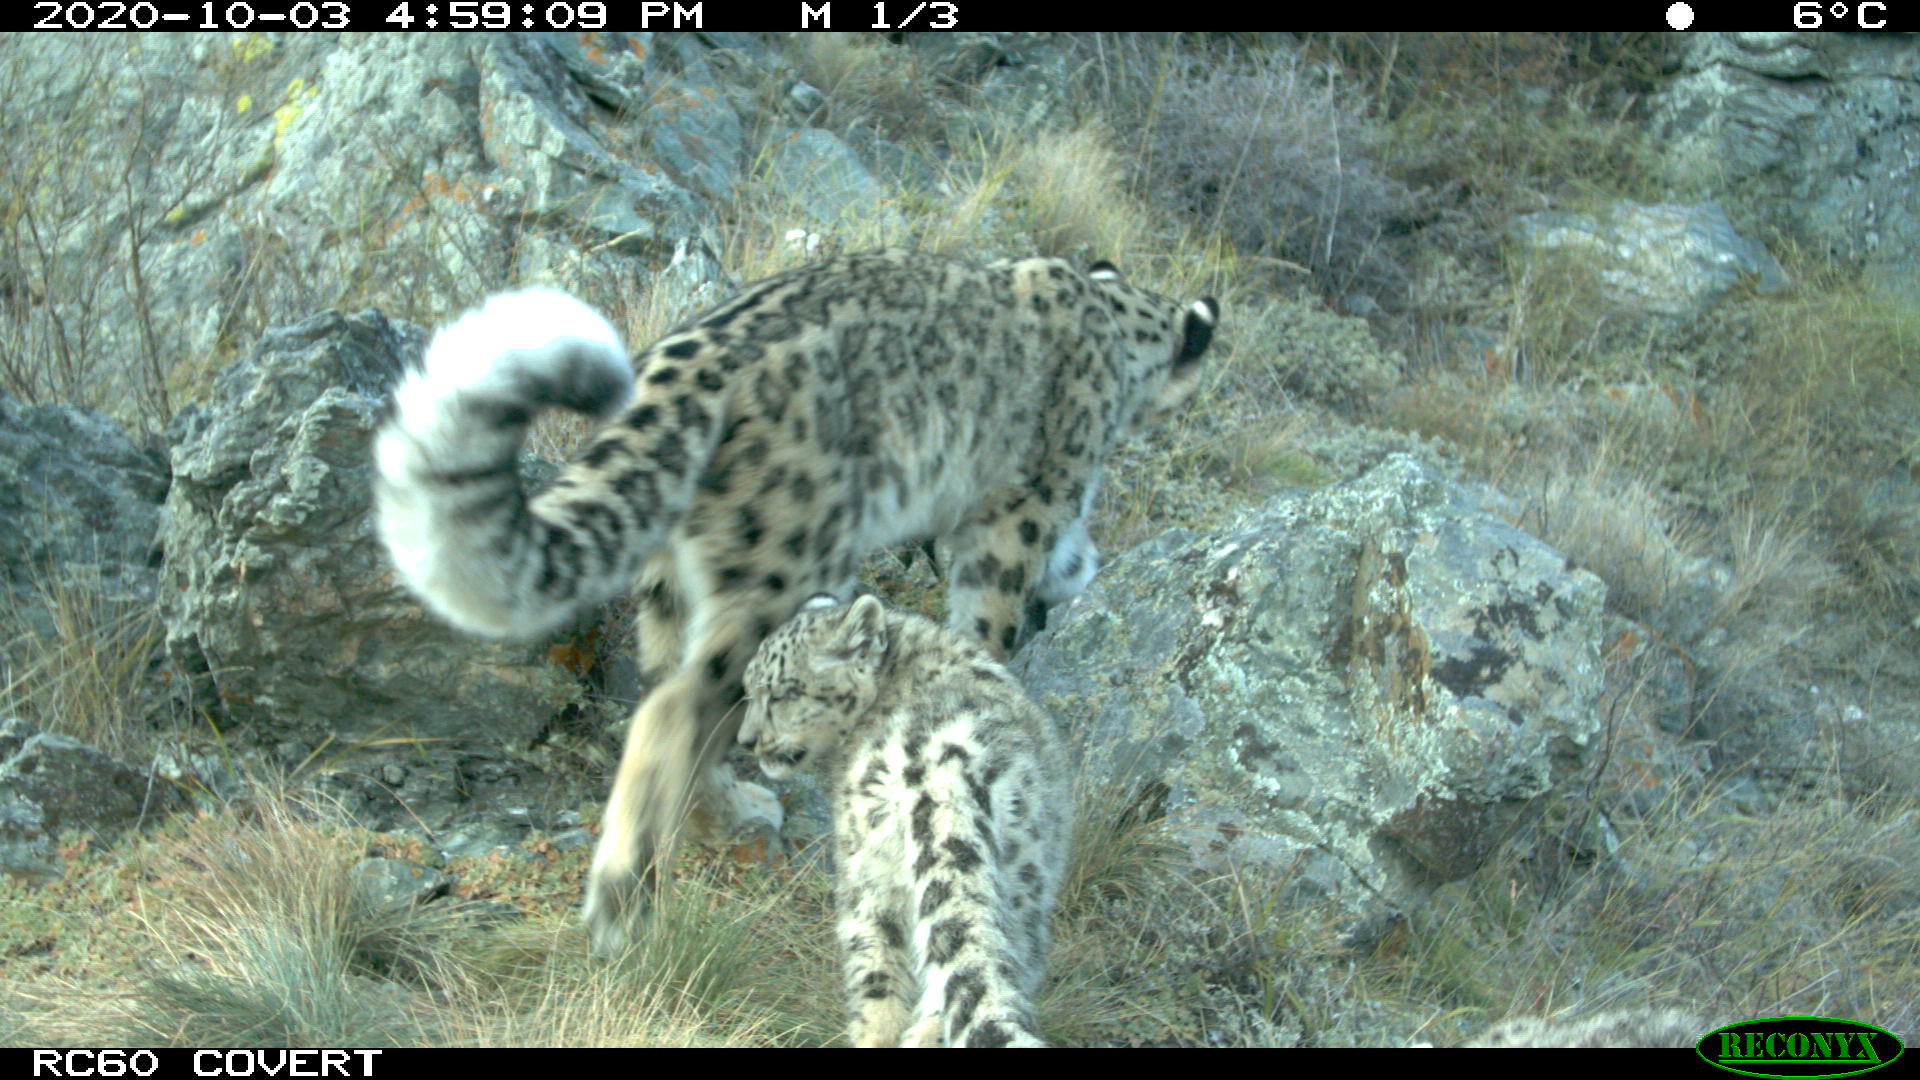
461, 528
977, 970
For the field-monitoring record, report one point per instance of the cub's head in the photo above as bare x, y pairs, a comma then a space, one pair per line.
814, 678
1166, 339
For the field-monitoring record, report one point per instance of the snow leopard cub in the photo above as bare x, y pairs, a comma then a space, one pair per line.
951, 813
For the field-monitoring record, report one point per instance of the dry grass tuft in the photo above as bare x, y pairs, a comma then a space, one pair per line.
88, 674
1614, 524
1288, 172
268, 944
1795, 912
1071, 185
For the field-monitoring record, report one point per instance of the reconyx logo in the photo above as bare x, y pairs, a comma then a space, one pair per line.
1800, 1047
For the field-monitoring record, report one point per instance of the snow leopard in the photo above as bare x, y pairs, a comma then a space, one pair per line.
1618, 1028
951, 813
756, 455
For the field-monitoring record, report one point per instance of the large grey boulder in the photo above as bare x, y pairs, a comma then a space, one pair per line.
79, 509
278, 599
1354, 685
1663, 259
1818, 134
828, 181
468, 149
207, 188
51, 784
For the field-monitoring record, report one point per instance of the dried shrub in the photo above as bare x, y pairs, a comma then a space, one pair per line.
1279, 156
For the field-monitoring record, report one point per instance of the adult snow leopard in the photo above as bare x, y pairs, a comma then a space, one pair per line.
754, 456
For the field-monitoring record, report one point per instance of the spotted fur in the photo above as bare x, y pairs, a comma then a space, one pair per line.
1620, 1028
951, 814
756, 455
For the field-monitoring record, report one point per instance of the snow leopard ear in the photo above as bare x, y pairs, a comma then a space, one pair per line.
1198, 332
861, 636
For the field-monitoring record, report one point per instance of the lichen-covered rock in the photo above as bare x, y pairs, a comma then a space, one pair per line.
395, 885
827, 180
1326, 356
277, 596
79, 509
1354, 684
50, 784
1665, 259
1817, 134
256, 175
